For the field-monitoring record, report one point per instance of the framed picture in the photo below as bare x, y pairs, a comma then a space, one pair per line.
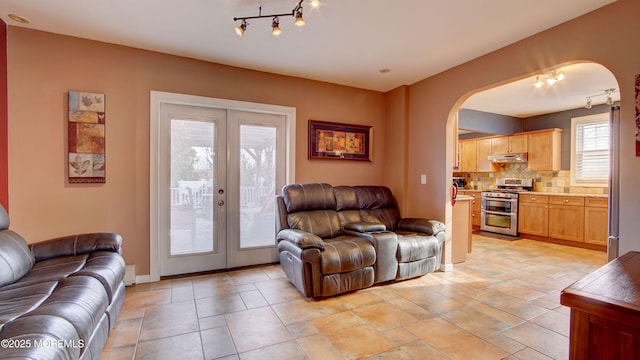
86, 137
328, 140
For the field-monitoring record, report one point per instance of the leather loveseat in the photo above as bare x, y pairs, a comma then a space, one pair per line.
59, 298
333, 240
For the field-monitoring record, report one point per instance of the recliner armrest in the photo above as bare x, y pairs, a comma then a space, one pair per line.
363, 227
429, 227
76, 244
302, 239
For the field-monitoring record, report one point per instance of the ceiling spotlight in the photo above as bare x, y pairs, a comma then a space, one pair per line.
609, 97
538, 82
296, 12
607, 92
550, 78
275, 27
299, 20
240, 29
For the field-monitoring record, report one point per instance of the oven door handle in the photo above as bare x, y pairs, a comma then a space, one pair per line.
498, 212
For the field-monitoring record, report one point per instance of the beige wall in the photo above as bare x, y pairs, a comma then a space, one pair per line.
609, 36
42, 67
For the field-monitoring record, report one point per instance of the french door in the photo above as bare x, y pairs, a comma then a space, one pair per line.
218, 173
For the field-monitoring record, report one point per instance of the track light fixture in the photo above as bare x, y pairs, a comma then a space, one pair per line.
550, 78
607, 92
275, 22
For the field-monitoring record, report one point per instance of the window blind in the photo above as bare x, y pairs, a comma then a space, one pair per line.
591, 151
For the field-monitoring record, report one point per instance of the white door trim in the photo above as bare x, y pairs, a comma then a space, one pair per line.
159, 97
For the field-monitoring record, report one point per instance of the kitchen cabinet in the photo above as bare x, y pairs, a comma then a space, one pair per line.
468, 155
544, 149
474, 156
483, 148
461, 230
509, 144
475, 207
596, 221
566, 218
573, 218
533, 214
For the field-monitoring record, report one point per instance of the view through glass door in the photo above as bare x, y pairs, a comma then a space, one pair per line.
193, 185
220, 170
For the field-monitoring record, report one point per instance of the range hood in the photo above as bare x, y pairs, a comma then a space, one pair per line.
508, 158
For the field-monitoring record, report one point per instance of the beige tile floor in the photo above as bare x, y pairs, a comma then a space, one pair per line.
502, 303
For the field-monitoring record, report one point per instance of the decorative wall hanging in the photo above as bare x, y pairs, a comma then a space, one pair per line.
329, 140
638, 115
86, 129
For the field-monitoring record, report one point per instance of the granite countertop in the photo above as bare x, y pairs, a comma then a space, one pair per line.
464, 197
567, 194
550, 193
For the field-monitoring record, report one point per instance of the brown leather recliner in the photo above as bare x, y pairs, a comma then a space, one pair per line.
317, 256
334, 240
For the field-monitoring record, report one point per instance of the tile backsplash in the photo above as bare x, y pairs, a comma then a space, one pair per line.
544, 181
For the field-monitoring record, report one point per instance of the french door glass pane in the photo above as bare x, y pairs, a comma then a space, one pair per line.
257, 185
192, 179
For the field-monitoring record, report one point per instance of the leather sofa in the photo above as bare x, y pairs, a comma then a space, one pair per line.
60, 298
333, 240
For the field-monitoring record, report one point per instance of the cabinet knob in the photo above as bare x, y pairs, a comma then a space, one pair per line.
533, 199
565, 201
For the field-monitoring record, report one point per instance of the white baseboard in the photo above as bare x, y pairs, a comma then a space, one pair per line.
141, 279
446, 267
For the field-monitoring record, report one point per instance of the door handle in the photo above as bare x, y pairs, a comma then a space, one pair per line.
220, 202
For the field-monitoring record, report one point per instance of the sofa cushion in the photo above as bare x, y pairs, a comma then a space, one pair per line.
19, 301
48, 331
323, 223
375, 197
417, 247
387, 216
15, 257
308, 197
345, 254
346, 198
81, 300
106, 267
51, 270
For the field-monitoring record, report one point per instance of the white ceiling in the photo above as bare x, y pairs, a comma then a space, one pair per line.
345, 41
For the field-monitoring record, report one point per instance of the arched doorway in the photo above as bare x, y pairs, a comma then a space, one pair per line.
521, 106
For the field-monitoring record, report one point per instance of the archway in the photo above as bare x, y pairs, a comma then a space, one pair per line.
585, 82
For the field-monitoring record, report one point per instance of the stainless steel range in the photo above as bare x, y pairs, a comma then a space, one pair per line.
499, 210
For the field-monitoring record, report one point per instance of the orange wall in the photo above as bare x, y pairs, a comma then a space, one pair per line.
43, 67
4, 157
609, 36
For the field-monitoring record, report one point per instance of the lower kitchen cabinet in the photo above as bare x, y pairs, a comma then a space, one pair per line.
533, 215
566, 218
596, 221
581, 219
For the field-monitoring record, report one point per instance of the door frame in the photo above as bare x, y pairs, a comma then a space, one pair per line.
159, 97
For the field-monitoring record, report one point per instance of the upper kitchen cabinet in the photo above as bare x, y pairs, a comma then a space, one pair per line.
544, 148
474, 156
509, 144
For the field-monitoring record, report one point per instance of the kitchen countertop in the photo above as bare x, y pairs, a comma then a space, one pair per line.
550, 193
464, 197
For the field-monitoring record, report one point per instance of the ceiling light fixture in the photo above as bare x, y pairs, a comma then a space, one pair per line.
18, 18
550, 78
275, 27
607, 92
275, 23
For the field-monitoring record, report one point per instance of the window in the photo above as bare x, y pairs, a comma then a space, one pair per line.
590, 150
